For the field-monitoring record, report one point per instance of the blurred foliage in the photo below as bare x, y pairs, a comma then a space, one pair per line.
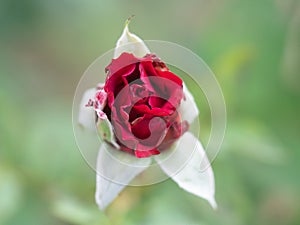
252, 46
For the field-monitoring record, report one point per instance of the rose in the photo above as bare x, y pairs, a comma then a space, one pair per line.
142, 101
141, 109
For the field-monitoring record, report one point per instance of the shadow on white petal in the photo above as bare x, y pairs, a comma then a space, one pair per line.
115, 170
86, 117
188, 108
190, 178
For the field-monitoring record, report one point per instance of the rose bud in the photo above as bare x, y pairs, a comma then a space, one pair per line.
143, 112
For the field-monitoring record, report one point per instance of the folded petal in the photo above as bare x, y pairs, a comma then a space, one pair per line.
131, 43
115, 170
188, 108
183, 166
87, 114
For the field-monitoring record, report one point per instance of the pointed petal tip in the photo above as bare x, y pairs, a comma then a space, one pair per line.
129, 20
99, 202
131, 43
100, 206
213, 203
189, 178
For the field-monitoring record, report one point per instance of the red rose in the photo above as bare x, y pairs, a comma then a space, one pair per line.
142, 101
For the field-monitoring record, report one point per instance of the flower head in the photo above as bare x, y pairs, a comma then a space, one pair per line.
140, 98
143, 110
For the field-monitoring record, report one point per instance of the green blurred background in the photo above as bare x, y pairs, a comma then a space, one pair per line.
252, 46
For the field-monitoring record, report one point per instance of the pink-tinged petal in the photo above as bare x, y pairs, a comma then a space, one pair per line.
115, 170
87, 115
100, 86
101, 115
190, 176
99, 103
101, 97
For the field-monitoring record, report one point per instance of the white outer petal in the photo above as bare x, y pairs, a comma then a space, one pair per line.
188, 108
190, 178
131, 43
87, 114
108, 169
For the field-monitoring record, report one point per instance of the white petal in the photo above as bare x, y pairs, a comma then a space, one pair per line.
87, 119
191, 177
188, 108
87, 114
131, 43
115, 170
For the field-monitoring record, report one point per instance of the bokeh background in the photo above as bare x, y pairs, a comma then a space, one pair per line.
252, 46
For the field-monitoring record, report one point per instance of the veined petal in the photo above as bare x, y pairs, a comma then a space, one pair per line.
188, 108
131, 43
190, 178
87, 114
115, 170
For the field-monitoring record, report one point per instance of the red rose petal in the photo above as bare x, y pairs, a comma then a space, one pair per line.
142, 97
144, 154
